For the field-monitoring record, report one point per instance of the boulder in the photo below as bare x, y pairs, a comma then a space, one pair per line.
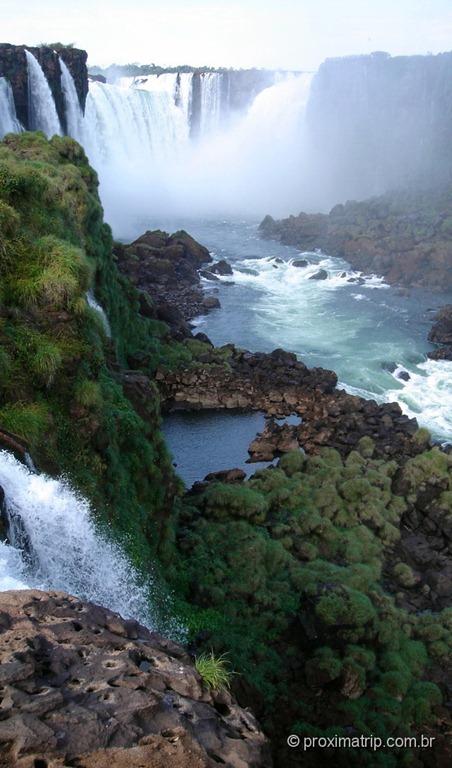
221, 268
322, 274
300, 263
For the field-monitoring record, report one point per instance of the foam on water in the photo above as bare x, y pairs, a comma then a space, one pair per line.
427, 395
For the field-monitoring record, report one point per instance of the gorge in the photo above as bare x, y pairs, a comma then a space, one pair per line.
325, 578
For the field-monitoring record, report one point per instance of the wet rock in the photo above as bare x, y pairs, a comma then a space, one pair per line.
226, 476
86, 688
221, 268
209, 276
403, 375
210, 302
443, 353
279, 385
300, 263
320, 275
441, 332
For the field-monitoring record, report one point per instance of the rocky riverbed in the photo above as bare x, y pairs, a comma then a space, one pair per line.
406, 237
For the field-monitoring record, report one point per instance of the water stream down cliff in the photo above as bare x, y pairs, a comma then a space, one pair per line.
54, 544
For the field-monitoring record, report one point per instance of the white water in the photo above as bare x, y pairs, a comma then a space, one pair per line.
74, 114
64, 549
210, 103
137, 136
94, 304
43, 115
8, 118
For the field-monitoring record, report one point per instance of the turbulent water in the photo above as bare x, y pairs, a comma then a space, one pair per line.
56, 545
366, 332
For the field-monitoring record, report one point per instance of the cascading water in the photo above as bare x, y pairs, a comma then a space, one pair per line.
74, 114
42, 111
94, 304
54, 544
8, 119
210, 102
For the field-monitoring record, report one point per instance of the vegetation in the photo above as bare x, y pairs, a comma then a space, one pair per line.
214, 671
296, 577
58, 389
285, 574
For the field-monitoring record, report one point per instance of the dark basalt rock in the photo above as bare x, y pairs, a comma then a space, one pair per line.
13, 66
300, 263
87, 688
221, 268
279, 385
441, 332
320, 275
165, 268
404, 236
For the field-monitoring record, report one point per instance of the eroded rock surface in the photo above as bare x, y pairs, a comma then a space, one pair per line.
81, 686
279, 385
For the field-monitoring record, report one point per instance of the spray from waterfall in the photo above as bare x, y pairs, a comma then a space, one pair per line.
54, 544
42, 111
8, 118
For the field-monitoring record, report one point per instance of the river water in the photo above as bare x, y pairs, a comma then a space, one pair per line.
364, 330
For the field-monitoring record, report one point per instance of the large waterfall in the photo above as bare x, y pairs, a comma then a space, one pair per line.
8, 119
54, 544
180, 143
43, 115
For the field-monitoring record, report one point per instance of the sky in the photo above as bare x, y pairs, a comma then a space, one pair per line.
286, 34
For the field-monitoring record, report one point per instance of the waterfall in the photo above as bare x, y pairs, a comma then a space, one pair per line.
138, 136
8, 119
54, 544
74, 114
42, 111
210, 102
90, 298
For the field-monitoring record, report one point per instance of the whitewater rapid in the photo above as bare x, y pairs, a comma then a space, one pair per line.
55, 544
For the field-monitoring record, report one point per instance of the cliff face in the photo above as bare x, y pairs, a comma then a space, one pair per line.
377, 122
13, 66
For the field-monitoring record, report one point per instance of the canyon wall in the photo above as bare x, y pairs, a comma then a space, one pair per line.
13, 66
376, 122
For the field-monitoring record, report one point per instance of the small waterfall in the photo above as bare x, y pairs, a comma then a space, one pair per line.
42, 111
90, 298
74, 114
54, 544
8, 119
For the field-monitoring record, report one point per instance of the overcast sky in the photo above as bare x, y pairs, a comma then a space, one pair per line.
294, 34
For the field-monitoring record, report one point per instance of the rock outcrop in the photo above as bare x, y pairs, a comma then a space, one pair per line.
279, 385
441, 334
83, 687
13, 66
406, 237
165, 268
